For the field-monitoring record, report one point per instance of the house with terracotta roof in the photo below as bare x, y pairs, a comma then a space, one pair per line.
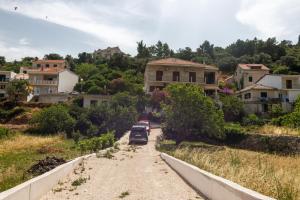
247, 74
50, 80
160, 73
270, 90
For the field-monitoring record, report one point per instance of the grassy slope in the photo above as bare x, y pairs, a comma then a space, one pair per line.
21, 151
272, 130
269, 174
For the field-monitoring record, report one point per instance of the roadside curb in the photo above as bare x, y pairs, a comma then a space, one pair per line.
211, 186
35, 188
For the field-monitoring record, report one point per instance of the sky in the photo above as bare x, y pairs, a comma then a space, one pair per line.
39, 27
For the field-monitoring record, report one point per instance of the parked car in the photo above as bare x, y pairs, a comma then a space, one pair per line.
145, 123
138, 134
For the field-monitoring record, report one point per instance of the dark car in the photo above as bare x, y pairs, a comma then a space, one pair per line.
138, 134
145, 123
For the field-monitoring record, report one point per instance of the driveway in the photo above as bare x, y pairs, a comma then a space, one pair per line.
133, 173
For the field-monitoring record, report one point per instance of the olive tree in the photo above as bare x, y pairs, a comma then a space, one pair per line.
188, 111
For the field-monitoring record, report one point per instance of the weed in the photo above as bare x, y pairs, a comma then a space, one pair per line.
78, 181
124, 194
57, 190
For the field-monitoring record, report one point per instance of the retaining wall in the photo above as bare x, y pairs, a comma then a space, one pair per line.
211, 186
35, 188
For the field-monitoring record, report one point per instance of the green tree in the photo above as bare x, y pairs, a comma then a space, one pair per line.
53, 56
142, 50
232, 107
2, 61
206, 49
53, 119
85, 57
188, 111
18, 90
185, 54
85, 70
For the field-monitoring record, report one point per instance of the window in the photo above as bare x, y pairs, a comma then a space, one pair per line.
263, 94
38, 65
250, 79
2, 95
280, 96
209, 77
247, 96
265, 108
159, 75
2, 87
176, 76
289, 84
55, 65
47, 65
2, 78
192, 76
94, 102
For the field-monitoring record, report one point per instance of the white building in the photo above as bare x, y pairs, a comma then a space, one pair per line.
50, 81
271, 90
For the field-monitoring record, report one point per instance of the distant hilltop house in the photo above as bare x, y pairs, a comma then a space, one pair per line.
160, 73
5, 78
247, 74
107, 53
51, 81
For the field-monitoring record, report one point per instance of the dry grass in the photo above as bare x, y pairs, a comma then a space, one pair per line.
21, 141
276, 130
272, 175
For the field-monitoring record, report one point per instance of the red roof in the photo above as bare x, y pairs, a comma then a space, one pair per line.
179, 62
254, 67
49, 61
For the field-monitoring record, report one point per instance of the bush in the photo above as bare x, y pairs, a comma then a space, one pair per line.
53, 120
232, 108
233, 132
252, 119
5, 133
6, 115
97, 143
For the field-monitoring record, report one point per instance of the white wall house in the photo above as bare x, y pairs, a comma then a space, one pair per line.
271, 90
47, 83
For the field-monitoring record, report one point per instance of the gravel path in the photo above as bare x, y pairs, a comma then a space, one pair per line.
134, 172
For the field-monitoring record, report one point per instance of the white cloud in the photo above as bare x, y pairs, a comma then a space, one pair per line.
18, 51
271, 18
82, 16
24, 41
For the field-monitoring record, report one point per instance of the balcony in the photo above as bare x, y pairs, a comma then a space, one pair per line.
43, 82
267, 100
4, 80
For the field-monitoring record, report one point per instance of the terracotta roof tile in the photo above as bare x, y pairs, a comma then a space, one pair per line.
253, 67
179, 62
257, 87
49, 61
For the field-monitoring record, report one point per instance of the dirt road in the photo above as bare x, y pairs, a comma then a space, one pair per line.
135, 172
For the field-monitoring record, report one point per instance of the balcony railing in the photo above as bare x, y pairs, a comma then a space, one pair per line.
4, 79
43, 82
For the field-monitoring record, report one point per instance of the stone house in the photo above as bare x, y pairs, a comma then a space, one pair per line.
248, 74
160, 73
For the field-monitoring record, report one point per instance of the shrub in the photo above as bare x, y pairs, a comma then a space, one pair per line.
233, 132
6, 115
5, 133
232, 108
53, 120
97, 143
252, 119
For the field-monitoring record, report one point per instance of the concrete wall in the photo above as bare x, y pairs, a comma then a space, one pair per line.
67, 81
272, 81
98, 98
211, 186
35, 188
